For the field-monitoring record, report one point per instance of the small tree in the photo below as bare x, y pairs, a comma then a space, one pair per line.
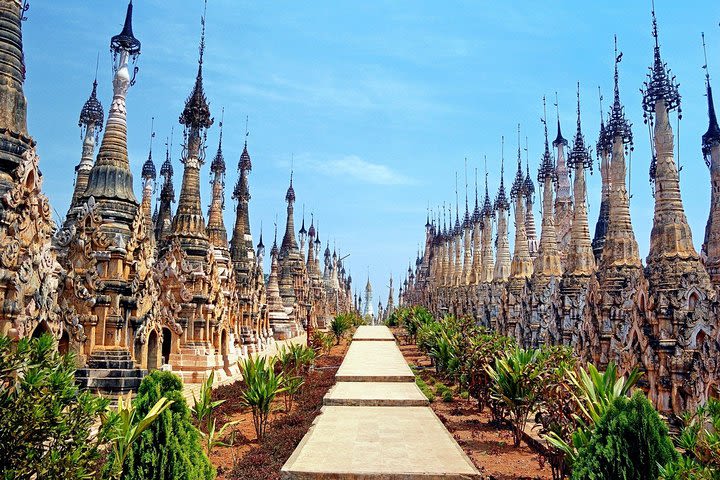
46, 421
262, 384
170, 447
629, 441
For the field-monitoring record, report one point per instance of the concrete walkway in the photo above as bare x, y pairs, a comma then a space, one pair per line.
376, 424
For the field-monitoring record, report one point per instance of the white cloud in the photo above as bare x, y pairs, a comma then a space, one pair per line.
356, 168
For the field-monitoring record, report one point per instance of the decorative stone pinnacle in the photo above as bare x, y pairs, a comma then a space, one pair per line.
546, 171
712, 136
580, 154
660, 85
618, 125
92, 114
501, 201
518, 187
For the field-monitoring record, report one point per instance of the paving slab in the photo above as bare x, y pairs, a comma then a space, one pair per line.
375, 394
373, 332
383, 443
374, 362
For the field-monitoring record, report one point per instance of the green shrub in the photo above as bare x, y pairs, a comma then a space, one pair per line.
262, 384
171, 447
125, 428
340, 326
424, 388
322, 342
629, 441
46, 421
699, 442
447, 395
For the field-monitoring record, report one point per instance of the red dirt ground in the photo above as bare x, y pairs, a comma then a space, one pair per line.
249, 460
489, 446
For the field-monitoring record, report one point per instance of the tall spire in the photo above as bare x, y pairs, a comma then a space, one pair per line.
502, 262
604, 148
91, 123
501, 200
110, 181
563, 194
477, 220
189, 223
580, 259
547, 263
529, 192
289, 242
148, 175
711, 138
163, 223
14, 138
671, 236
488, 262
217, 234
467, 239
521, 265
711, 152
620, 249
241, 242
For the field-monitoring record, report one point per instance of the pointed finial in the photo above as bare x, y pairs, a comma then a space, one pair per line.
660, 84
125, 40
487, 205
529, 185
218, 163
712, 136
559, 139
579, 155
518, 186
202, 35
501, 201
618, 125
546, 171
148, 169
290, 195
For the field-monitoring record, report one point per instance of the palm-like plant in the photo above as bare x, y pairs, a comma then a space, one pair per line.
124, 430
515, 376
202, 409
339, 326
595, 393
699, 442
262, 384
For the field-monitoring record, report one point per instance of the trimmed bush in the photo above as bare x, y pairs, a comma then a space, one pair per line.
171, 447
630, 441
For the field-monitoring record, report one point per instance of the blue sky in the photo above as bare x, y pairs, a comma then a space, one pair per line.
378, 102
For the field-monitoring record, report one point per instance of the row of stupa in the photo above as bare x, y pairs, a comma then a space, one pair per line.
131, 290
593, 294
